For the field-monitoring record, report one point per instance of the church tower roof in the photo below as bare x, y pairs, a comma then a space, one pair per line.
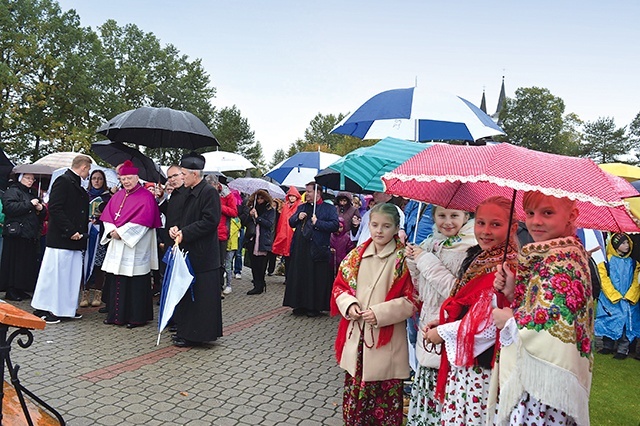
483, 103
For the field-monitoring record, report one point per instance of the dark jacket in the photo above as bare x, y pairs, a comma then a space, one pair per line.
19, 211
265, 220
196, 212
319, 234
68, 213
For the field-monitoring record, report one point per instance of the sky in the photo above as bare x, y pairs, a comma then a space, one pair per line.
281, 62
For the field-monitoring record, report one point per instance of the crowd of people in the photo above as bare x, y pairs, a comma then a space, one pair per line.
485, 319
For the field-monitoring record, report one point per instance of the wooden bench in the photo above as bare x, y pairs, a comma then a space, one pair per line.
34, 411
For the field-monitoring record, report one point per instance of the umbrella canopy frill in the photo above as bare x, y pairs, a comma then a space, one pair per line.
159, 128
461, 177
418, 114
365, 166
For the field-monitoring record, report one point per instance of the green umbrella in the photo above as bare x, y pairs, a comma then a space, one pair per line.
364, 166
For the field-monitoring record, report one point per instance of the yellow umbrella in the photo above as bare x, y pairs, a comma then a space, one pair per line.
625, 171
631, 174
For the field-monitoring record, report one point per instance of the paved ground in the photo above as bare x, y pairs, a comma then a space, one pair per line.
270, 368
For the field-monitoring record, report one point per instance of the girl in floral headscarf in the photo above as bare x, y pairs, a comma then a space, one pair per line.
546, 359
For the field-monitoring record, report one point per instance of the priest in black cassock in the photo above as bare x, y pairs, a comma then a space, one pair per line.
192, 220
310, 278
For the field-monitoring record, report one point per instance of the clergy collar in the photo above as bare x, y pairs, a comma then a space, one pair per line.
196, 190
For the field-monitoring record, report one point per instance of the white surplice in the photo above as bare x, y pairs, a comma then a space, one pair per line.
58, 282
135, 253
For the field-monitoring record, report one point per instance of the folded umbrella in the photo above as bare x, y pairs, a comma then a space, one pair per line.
177, 279
116, 153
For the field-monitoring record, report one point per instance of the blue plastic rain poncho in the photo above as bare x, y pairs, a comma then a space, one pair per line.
618, 302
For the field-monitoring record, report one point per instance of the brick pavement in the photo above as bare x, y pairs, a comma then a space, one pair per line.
270, 368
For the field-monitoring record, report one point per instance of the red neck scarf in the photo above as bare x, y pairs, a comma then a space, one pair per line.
346, 281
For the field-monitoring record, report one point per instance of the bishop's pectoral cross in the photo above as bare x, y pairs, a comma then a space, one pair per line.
117, 215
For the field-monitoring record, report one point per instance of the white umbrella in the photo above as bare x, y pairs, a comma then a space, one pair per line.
112, 178
222, 161
301, 168
251, 185
59, 159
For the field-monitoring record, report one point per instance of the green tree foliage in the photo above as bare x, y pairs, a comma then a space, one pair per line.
59, 81
278, 156
318, 136
534, 119
634, 132
603, 142
48, 84
235, 135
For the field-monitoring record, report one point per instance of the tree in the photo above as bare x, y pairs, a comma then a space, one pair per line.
534, 119
278, 156
634, 132
235, 135
47, 79
318, 136
603, 142
139, 71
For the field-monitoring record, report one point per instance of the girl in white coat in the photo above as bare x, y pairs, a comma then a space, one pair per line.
434, 266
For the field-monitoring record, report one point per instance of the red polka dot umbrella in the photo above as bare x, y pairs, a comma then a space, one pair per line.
460, 177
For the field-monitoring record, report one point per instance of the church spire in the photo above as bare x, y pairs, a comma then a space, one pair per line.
483, 103
501, 99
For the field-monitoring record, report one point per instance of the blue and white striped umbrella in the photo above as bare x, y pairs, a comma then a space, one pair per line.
419, 115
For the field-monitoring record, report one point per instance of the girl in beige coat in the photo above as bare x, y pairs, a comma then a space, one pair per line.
374, 295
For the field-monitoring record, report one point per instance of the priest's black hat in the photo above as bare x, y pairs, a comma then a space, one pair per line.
192, 161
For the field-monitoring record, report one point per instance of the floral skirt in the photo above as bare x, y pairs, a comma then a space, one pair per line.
424, 408
531, 412
465, 399
371, 403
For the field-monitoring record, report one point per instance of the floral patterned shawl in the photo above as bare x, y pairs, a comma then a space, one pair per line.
347, 281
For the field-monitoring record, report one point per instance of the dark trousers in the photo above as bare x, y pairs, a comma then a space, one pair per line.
258, 269
271, 262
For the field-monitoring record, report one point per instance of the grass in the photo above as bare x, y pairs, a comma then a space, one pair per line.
615, 392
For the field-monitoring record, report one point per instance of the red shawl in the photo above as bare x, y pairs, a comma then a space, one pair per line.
471, 304
346, 281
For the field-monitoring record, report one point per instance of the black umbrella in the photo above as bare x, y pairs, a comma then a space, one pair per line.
331, 179
5, 169
159, 128
116, 153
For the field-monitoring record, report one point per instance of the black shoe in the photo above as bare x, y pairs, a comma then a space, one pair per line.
619, 356
13, 295
103, 310
131, 325
184, 343
605, 351
312, 313
24, 295
172, 328
76, 316
50, 318
256, 290
269, 274
298, 311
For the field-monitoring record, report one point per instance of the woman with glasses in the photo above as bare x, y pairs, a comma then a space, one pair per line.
24, 214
